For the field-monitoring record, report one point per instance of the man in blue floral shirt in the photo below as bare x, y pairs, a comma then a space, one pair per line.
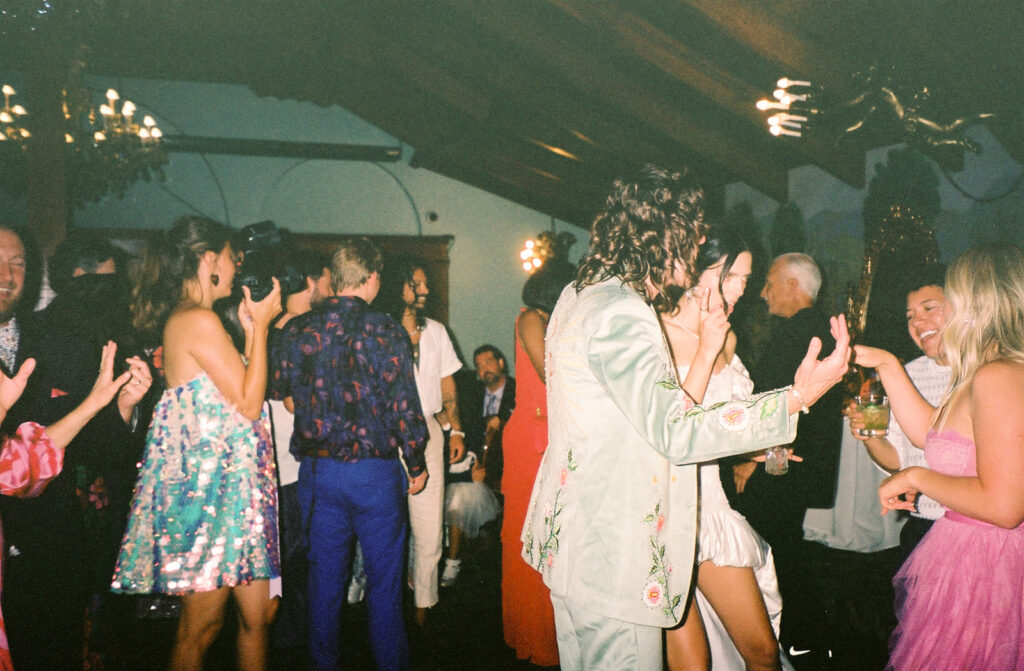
347, 370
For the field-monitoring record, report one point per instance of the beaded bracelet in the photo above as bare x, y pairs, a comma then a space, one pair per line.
800, 399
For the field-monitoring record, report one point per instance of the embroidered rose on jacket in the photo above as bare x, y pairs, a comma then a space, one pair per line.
653, 594
552, 524
656, 592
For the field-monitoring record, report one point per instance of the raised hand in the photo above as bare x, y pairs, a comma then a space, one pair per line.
106, 385
713, 326
103, 391
11, 388
133, 392
871, 357
814, 377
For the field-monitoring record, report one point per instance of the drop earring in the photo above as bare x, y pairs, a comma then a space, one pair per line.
214, 279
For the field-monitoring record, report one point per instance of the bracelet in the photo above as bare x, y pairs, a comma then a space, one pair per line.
800, 399
458, 432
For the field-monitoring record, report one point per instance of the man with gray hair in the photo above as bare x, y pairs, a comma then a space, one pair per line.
775, 505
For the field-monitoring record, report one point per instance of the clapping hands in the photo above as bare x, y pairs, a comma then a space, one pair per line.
11, 388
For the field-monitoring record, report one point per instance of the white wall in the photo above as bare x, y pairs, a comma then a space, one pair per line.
329, 196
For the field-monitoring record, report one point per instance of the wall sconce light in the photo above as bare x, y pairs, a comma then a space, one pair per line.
547, 245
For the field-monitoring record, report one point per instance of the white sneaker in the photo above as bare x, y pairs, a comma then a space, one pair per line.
451, 572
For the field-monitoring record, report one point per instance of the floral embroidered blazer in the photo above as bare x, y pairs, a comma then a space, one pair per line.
612, 524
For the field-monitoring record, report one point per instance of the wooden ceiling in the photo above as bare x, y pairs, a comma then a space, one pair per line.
544, 102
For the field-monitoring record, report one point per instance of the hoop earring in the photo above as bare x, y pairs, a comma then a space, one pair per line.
214, 279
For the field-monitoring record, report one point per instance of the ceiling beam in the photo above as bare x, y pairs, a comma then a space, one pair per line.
595, 74
765, 35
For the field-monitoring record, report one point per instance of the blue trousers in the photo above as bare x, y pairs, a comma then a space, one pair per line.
365, 499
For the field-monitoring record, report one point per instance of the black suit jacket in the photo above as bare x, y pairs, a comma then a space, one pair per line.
43, 535
811, 483
471, 407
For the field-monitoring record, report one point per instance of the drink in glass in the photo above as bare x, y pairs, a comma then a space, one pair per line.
874, 411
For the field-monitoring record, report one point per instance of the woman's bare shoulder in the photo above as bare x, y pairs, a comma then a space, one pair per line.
999, 377
191, 319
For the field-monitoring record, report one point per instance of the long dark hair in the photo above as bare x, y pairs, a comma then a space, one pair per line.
171, 258
721, 242
397, 275
542, 289
648, 224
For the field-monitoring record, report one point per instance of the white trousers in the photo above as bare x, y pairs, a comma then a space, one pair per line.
426, 515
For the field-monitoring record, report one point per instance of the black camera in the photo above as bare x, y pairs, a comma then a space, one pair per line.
264, 258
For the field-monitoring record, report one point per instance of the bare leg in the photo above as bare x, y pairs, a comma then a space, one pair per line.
202, 614
254, 616
736, 597
686, 646
454, 541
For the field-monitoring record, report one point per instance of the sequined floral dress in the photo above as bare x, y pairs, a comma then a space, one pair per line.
204, 514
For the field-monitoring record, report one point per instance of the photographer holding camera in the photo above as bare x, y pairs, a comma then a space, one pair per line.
203, 521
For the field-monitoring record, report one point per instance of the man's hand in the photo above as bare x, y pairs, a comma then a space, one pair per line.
417, 484
12, 387
133, 392
741, 473
813, 377
457, 447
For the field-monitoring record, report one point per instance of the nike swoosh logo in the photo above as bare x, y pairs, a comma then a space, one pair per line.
793, 652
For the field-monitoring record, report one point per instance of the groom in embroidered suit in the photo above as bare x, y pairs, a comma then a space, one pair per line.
612, 521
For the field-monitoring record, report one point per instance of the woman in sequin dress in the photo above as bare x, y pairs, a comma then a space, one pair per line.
35, 455
204, 521
960, 594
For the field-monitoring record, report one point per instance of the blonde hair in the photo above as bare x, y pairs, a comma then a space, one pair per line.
985, 293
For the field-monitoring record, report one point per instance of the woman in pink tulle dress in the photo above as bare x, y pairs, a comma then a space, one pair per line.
34, 455
960, 595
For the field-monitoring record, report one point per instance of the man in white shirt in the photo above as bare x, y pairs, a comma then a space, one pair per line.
930, 374
405, 297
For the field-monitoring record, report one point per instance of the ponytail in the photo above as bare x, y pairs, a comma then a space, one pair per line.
169, 260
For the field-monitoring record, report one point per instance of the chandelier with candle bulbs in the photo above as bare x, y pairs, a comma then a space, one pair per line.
108, 147
11, 127
884, 108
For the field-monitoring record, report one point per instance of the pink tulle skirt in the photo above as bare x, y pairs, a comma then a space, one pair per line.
960, 600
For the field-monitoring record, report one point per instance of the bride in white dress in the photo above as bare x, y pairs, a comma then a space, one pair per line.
737, 594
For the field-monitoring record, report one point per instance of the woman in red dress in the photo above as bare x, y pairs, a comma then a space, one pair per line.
527, 615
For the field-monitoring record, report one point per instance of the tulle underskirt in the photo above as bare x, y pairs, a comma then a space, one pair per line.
469, 506
960, 600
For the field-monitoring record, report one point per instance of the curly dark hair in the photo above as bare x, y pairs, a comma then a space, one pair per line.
648, 225
397, 275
